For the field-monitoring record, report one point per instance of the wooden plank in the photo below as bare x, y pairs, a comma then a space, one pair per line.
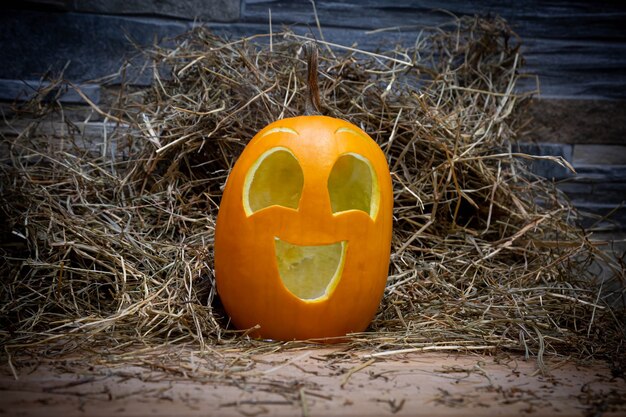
610, 194
215, 10
24, 90
80, 47
43, 4
93, 131
605, 217
577, 49
73, 137
364, 15
530, 18
546, 168
599, 154
606, 173
431, 384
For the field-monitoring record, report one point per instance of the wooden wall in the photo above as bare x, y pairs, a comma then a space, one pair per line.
577, 49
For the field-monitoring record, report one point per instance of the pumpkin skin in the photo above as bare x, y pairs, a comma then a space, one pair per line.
246, 266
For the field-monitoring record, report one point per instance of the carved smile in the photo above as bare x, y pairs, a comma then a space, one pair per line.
310, 273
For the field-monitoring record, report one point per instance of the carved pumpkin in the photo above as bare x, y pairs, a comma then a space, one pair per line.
303, 233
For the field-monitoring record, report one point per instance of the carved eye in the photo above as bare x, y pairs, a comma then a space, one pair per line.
275, 179
352, 185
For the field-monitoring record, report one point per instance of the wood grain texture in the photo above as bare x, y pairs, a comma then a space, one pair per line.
577, 48
81, 47
313, 383
24, 90
214, 10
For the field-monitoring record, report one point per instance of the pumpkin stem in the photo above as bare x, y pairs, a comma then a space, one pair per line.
312, 104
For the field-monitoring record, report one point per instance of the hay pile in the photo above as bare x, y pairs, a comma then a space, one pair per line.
108, 243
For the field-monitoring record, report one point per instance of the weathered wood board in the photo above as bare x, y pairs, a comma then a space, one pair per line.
577, 48
313, 382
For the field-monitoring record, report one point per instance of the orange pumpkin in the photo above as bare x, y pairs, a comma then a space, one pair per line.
303, 233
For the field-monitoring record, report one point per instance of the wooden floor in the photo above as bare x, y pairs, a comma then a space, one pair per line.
316, 382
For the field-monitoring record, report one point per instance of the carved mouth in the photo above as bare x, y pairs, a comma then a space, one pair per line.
310, 273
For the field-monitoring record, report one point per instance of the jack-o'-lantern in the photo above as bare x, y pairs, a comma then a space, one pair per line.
303, 231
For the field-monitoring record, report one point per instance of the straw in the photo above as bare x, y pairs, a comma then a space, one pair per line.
108, 237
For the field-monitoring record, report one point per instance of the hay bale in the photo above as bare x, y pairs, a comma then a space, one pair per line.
109, 242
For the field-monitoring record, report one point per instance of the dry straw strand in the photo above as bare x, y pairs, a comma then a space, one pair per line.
113, 250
